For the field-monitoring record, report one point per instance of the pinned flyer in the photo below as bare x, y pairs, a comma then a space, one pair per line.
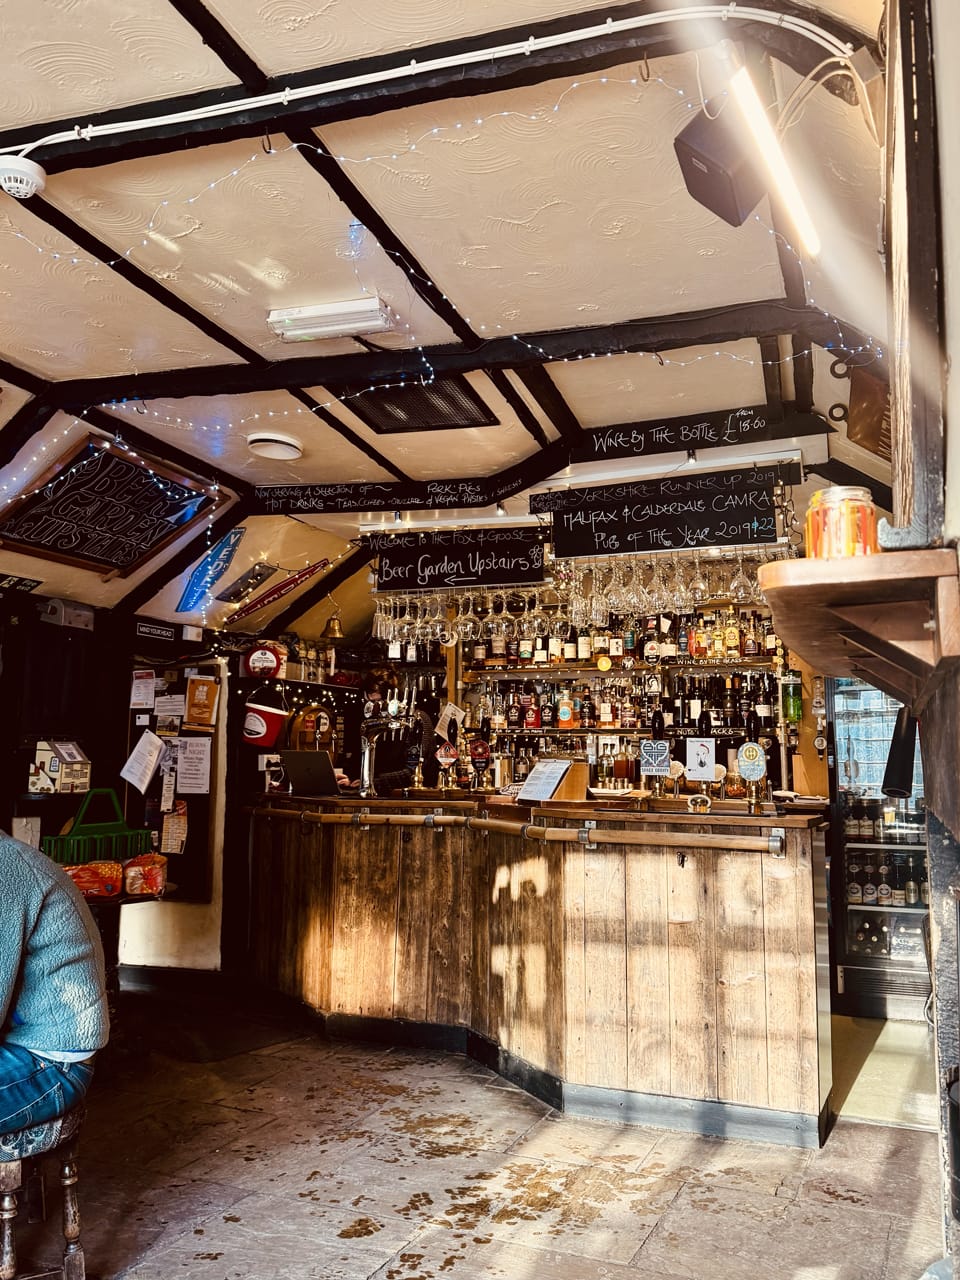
143, 761
451, 714
203, 694
701, 759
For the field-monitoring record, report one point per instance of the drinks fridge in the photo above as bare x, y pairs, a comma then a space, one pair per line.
878, 867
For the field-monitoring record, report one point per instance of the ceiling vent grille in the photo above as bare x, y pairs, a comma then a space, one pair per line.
448, 404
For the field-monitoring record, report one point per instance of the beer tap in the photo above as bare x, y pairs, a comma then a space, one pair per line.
377, 721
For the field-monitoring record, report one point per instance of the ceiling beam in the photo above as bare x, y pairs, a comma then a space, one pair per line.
317, 591
525, 415
732, 323
548, 395
172, 566
488, 76
216, 37
23, 426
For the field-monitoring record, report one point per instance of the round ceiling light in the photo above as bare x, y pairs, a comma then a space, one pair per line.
20, 177
272, 444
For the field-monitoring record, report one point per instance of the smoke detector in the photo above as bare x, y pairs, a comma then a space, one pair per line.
273, 444
20, 177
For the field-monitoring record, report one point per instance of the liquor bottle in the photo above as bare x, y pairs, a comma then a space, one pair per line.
764, 705
924, 883
584, 645
898, 892
498, 713
522, 762
731, 636
651, 642
854, 883
513, 650
717, 638
657, 726
570, 645
911, 890
497, 651
548, 710
565, 708
668, 641
525, 654
770, 639
869, 882
554, 651
621, 762
616, 642
600, 641
588, 710
605, 767
694, 703
884, 882
531, 708
680, 702
514, 709
727, 707
752, 725
683, 639
479, 653
751, 643
540, 654
629, 647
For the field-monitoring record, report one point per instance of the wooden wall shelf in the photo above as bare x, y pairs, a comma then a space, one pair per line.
891, 619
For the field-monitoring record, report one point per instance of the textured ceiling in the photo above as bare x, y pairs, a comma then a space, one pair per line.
521, 214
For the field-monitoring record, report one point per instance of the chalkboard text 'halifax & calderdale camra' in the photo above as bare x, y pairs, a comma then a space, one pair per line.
457, 558
725, 508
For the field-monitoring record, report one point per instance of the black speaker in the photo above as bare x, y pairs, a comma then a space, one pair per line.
898, 775
715, 160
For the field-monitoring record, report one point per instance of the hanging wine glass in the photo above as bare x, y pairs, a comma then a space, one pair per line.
466, 625
682, 595
659, 589
740, 587
698, 586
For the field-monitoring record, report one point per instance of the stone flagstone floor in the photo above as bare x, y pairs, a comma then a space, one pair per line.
219, 1148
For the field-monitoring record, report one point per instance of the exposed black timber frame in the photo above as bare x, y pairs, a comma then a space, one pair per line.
515, 400
352, 563
788, 255
317, 155
140, 279
601, 51
324, 415
924, 325
547, 394
23, 426
772, 376
142, 441
172, 566
237, 61
18, 377
756, 320
843, 473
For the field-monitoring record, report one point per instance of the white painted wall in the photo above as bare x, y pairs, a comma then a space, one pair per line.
185, 935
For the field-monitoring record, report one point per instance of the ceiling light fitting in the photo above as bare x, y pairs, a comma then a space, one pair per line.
330, 320
273, 444
20, 177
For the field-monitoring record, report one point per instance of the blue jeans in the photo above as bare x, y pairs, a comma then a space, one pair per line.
34, 1089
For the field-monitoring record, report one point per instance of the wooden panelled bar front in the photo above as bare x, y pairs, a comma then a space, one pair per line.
679, 982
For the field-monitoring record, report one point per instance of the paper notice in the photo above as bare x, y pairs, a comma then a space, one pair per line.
193, 766
203, 693
174, 836
143, 691
143, 761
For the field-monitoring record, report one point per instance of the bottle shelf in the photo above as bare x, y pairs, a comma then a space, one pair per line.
886, 845
919, 909
614, 731
564, 671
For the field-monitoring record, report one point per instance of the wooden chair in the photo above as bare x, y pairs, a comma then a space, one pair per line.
57, 1139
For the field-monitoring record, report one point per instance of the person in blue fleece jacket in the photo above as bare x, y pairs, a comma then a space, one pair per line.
53, 1004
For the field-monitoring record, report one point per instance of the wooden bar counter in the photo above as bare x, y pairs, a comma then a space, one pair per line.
679, 982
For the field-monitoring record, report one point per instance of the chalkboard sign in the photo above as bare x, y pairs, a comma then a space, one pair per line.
457, 558
724, 508
99, 507
707, 431
294, 499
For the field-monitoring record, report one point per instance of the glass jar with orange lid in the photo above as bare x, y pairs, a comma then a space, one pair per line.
840, 522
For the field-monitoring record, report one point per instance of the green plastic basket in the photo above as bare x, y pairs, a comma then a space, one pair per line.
104, 841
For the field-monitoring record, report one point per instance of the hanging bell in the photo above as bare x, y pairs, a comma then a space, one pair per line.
333, 629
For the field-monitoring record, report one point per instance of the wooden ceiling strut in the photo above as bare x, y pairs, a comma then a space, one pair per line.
23, 426
216, 37
314, 151
140, 279
172, 566
319, 590
533, 67
21, 378
547, 394
515, 400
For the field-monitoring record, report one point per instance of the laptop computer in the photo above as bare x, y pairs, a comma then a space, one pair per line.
310, 773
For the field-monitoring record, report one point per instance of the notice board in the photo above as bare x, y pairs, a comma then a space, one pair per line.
101, 507
457, 558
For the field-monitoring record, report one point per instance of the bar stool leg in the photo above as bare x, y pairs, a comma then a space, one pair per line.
74, 1267
10, 1176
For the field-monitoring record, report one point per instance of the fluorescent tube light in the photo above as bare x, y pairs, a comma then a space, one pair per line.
330, 320
771, 153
